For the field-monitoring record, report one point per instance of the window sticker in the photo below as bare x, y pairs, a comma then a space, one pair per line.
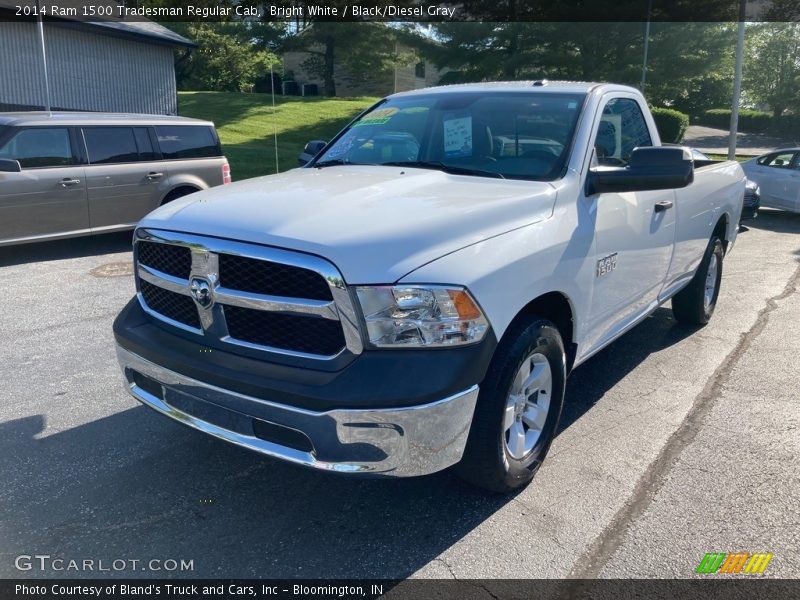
458, 137
342, 147
377, 117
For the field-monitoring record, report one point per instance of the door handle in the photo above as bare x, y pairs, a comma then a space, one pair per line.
153, 175
66, 182
663, 205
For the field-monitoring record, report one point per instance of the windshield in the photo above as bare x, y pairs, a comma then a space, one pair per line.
505, 135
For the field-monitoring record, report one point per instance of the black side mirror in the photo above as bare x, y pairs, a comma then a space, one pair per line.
311, 149
649, 168
8, 165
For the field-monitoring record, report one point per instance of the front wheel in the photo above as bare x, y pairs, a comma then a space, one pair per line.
518, 408
695, 303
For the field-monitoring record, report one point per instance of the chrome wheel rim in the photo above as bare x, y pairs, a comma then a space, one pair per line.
527, 405
711, 281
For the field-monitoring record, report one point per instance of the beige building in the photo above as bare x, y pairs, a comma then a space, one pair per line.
411, 76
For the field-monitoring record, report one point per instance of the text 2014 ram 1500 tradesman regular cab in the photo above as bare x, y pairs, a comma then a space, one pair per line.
415, 297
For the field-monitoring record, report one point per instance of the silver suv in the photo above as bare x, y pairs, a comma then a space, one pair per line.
70, 174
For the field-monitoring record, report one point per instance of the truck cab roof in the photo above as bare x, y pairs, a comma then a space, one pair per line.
538, 86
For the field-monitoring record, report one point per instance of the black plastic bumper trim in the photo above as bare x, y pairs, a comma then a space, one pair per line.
383, 378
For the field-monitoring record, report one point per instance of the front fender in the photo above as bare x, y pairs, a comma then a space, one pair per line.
507, 272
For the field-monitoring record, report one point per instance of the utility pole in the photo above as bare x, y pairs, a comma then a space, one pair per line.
737, 83
646, 45
40, 25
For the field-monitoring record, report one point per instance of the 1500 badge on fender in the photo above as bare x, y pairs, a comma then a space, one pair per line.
606, 264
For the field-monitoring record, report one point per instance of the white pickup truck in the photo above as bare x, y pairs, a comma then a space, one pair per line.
415, 296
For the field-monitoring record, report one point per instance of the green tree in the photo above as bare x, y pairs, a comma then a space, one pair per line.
691, 66
230, 56
364, 49
688, 62
480, 51
772, 66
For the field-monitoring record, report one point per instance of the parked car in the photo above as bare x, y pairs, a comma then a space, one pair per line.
373, 315
778, 177
752, 192
70, 174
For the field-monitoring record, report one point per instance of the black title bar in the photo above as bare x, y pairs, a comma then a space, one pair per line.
406, 10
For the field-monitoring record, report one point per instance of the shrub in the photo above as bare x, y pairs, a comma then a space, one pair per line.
749, 120
716, 117
788, 125
754, 120
671, 124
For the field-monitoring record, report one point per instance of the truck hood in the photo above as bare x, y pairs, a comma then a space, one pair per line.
374, 223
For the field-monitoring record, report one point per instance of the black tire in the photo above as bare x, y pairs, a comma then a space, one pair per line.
178, 193
690, 306
487, 461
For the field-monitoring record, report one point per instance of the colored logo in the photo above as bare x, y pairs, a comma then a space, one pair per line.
737, 562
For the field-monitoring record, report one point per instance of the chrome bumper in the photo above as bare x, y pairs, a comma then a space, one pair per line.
400, 442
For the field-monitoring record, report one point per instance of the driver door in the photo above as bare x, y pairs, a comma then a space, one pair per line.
634, 231
776, 179
48, 197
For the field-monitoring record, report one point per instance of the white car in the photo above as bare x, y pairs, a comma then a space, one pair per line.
415, 297
778, 176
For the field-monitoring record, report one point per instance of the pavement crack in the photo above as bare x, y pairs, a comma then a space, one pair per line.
483, 587
447, 566
599, 552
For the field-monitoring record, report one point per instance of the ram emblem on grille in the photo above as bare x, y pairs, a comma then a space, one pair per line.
201, 292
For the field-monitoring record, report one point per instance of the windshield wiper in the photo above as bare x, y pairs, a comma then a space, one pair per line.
330, 163
453, 169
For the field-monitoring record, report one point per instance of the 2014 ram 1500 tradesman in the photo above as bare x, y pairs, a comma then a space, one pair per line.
416, 295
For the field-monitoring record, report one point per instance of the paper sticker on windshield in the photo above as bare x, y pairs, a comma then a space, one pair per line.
458, 137
342, 146
377, 117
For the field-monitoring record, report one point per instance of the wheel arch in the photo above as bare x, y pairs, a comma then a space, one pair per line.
556, 307
182, 189
721, 230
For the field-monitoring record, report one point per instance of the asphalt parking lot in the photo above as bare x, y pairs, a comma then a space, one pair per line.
674, 443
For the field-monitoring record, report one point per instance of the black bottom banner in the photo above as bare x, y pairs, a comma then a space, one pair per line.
412, 589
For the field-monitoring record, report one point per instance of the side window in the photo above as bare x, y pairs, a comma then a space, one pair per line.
187, 141
145, 146
622, 128
108, 145
779, 160
40, 147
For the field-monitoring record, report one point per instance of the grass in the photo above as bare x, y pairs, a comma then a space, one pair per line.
246, 124
739, 157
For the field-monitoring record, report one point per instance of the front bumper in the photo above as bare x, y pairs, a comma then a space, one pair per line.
750, 206
405, 441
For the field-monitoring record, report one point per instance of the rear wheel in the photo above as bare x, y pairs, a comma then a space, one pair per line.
518, 408
695, 303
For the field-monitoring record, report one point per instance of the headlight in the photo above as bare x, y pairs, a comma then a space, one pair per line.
417, 315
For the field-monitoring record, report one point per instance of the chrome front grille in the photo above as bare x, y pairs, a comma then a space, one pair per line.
290, 332
172, 305
253, 296
273, 279
167, 258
